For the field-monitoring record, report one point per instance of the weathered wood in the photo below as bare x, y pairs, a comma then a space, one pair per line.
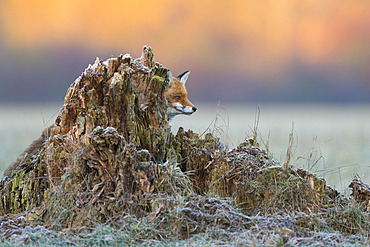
124, 93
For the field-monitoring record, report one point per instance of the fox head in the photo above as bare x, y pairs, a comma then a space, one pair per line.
177, 96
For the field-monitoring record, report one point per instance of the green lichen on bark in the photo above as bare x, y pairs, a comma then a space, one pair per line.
122, 92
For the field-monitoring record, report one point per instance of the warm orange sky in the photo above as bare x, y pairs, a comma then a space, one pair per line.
266, 30
261, 39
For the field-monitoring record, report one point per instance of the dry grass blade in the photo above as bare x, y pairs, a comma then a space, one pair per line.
255, 128
312, 157
219, 126
289, 150
172, 180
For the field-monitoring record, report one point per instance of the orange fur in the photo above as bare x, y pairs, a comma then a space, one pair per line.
177, 89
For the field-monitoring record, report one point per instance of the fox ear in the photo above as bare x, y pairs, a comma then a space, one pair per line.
183, 77
169, 77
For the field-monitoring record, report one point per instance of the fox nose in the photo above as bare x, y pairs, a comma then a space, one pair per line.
194, 109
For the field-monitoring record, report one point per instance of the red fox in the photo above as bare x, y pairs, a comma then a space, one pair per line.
177, 97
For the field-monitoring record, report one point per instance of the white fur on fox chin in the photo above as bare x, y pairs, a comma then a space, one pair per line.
178, 109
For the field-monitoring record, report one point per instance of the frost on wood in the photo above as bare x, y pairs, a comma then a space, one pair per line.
121, 93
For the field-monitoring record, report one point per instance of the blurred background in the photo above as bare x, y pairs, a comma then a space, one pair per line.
302, 62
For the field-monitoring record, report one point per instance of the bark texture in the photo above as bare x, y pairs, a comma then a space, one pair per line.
122, 93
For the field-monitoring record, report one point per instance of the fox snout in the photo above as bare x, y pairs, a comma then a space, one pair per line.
183, 109
193, 109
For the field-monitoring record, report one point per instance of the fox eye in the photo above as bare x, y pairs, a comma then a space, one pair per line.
178, 97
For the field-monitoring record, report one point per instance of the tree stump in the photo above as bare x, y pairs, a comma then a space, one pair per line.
113, 118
